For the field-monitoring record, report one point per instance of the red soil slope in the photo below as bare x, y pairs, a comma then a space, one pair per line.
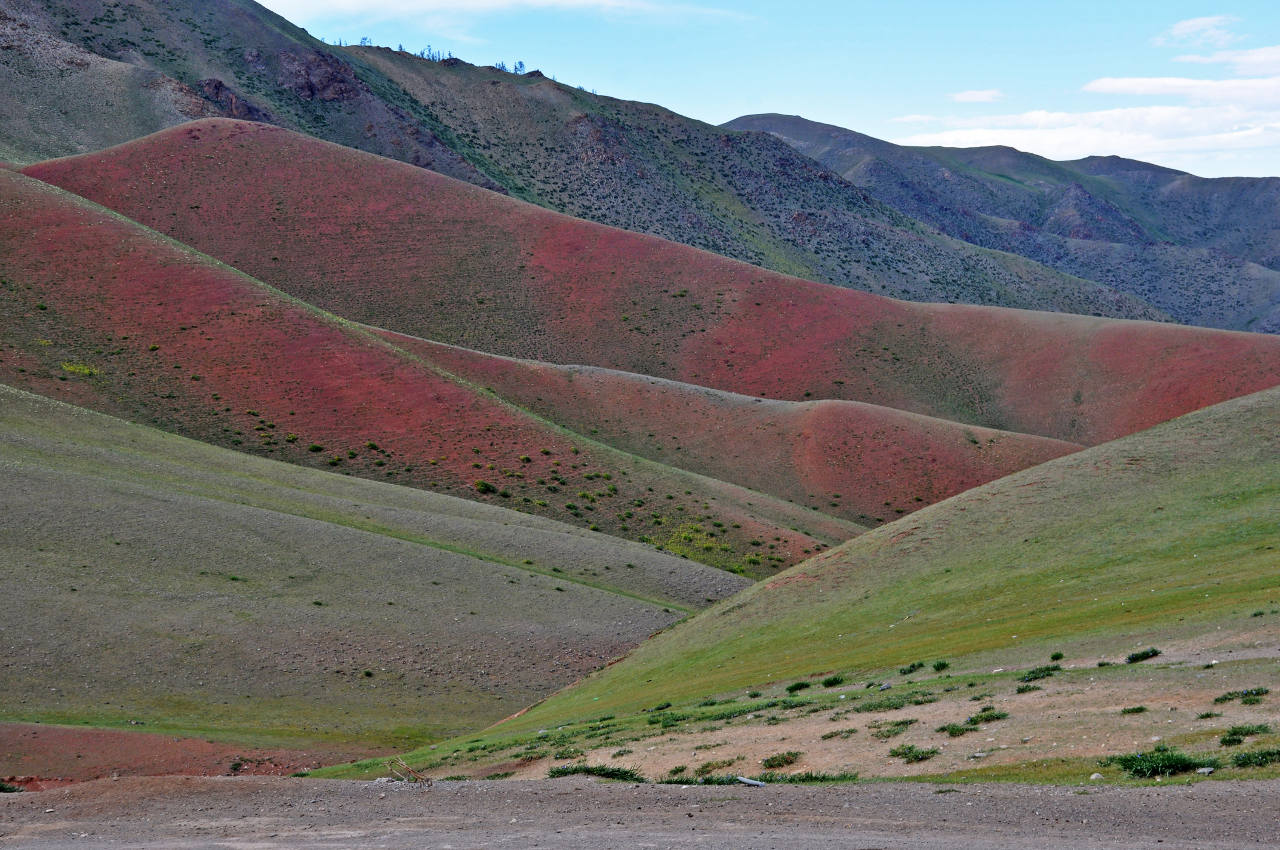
859, 461
101, 312
405, 249
37, 757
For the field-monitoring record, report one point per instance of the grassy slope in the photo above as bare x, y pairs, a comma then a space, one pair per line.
1155, 537
102, 312
150, 577
400, 248
1190, 246
859, 461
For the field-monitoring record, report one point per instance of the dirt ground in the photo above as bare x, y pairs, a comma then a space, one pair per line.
275, 812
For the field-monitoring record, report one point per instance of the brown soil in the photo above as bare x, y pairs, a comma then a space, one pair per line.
39, 757
268, 812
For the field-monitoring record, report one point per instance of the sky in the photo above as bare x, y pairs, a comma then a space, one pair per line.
1190, 85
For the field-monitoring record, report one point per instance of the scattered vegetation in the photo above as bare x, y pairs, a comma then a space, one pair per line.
1134, 709
886, 729
1141, 655
1042, 672
1257, 758
781, 759
911, 754
1254, 694
1235, 736
1161, 761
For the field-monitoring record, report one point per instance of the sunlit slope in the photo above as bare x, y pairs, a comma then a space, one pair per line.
153, 578
401, 248
102, 312
859, 461
1170, 534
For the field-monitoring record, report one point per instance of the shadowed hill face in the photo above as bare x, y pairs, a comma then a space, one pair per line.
858, 461
104, 313
1168, 535
152, 578
410, 251
1205, 251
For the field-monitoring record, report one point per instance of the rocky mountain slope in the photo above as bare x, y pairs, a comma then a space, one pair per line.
1206, 251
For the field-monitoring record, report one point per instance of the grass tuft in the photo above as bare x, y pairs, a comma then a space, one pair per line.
622, 774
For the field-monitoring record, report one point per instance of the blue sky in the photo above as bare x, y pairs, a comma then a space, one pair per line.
1193, 85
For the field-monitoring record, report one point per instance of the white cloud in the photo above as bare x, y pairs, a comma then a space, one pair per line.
977, 96
1200, 138
1259, 60
1210, 31
1259, 91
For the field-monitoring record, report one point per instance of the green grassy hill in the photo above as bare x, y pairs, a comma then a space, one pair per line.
152, 578
1166, 538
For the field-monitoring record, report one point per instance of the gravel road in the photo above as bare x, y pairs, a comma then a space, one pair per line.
268, 812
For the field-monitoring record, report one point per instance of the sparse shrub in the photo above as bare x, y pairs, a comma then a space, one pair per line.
886, 729
1236, 734
1208, 715
567, 753
833, 681
1257, 758
678, 770
911, 668
6, 788
955, 730
1042, 672
1254, 693
1161, 761
1057, 656
1026, 689
1134, 709
988, 714
1141, 655
939, 666
709, 767
315, 447
798, 686
842, 734
484, 487
780, 759
623, 774
911, 754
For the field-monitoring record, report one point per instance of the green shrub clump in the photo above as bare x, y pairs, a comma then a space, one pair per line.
1161, 761
911, 754
623, 774
1142, 655
1042, 672
781, 759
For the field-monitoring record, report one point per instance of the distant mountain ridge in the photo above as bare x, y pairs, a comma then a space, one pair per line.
1207, 251
625, 164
